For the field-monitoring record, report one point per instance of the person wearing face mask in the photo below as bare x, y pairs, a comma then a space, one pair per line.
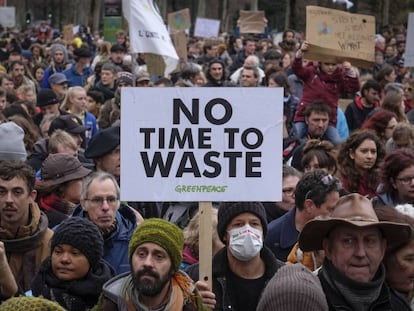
243, 267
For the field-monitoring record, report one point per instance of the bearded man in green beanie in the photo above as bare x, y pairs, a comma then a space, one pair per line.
155, 281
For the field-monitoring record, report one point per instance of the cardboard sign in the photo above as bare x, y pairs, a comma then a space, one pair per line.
201, 144
8, 16
252, 21
336, 36
206, 28
155, 64
180, 43
179, 20
409, 48
68, 33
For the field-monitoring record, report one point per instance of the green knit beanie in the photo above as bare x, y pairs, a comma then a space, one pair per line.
163, 233
30, 304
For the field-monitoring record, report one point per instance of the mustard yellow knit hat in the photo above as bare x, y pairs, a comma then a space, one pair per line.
30, 304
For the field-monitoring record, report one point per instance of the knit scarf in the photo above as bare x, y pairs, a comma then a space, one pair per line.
22, 247
357, 295
181, 294
53, 202
81, 294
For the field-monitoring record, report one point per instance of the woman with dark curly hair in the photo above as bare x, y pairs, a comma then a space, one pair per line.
396, 176
358, 160
383, 123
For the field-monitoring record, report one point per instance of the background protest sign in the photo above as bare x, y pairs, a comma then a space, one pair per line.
179, 20
336, 36
180, 43
409, 49
8, 16
206, 28
251, 21
201, 144
68, 33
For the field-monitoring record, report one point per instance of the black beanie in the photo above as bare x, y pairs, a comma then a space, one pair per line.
82, 234
228, 210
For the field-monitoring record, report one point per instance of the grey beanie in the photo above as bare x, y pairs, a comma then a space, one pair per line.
59, 47
12, 142
292, 288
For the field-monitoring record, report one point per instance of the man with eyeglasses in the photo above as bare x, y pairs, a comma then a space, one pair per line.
290, 178
316, 195
396, 179
100, 204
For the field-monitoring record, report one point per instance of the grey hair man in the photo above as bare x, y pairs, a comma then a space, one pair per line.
100, 203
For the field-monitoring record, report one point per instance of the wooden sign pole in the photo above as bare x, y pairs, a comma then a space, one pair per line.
205, 252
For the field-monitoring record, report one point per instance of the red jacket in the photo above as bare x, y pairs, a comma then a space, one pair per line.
323, 87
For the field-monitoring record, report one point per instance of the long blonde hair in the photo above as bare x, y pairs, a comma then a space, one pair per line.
67, 102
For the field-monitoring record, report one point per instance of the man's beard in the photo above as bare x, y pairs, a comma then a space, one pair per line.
148, 287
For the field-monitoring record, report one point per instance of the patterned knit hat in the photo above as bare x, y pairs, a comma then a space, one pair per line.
82, 234
163, 233
228, 210
293, 287
30, 304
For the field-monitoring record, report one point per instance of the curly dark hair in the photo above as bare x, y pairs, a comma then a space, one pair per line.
347, 167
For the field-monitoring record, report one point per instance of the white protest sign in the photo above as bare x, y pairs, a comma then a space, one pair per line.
206, 28
409, 49
8, 16
201, 144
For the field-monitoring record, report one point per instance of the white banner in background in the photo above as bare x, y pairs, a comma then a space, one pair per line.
409, 49
148, 33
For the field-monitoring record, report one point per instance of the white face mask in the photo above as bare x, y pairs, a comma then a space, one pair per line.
245, 242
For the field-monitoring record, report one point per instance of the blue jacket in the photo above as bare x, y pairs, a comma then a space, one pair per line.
75, 79
282, 235
90, 121
116, 245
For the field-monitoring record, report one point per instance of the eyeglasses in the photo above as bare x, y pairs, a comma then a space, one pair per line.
327, 180
288, 191
99, 201
406, 180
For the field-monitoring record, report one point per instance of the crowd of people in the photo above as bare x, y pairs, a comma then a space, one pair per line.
341, 238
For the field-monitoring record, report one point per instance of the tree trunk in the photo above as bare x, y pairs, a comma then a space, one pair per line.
96, 14
385, 12
254, 5
224, 17
201, 10
287, 14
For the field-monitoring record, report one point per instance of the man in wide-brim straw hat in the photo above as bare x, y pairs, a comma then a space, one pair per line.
354, 241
